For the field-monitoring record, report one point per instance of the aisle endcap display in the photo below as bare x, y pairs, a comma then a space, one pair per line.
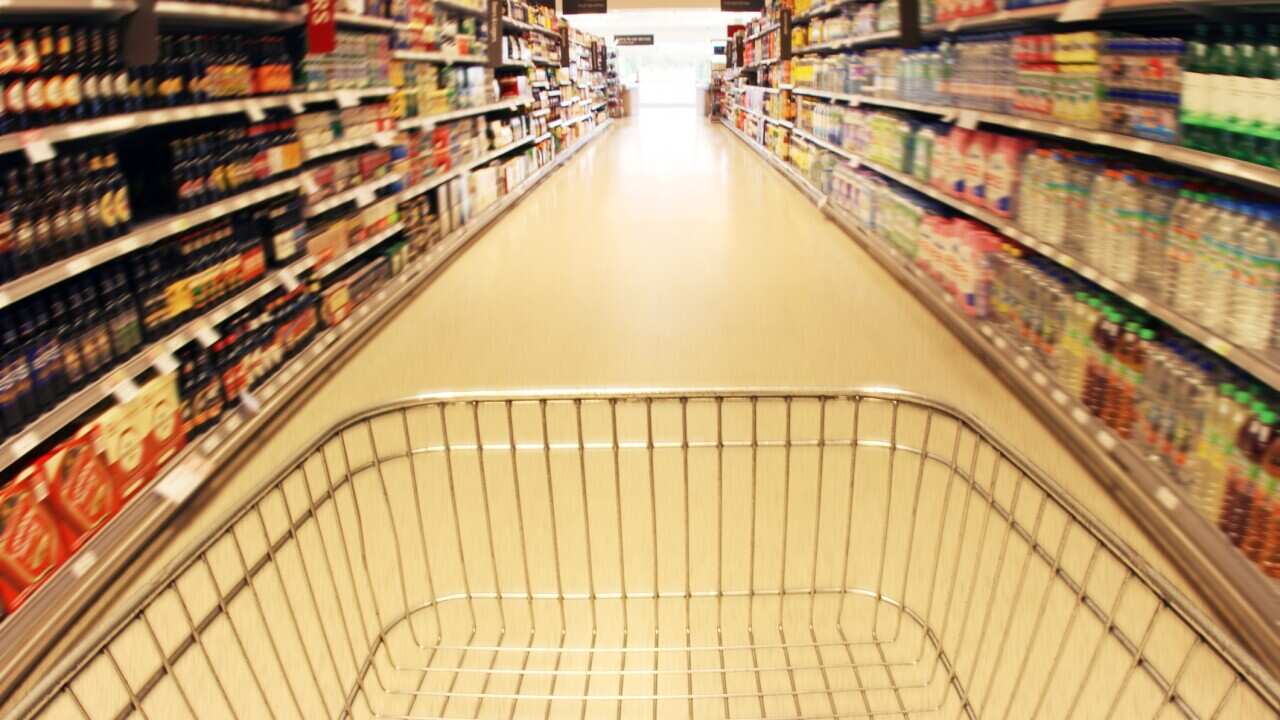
74, 584
1244, 596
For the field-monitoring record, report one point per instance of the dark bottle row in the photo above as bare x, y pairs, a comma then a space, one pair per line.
61, 74
57, 341
60, 208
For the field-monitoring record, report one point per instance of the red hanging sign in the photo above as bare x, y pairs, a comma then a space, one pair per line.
322, 26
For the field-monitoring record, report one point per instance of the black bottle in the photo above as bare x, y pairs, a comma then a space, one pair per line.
56, 76
6, 236
125, 94
46, 356
77, 213
42, 219
17, 404
119, 194
8, 70
96, 338
73, 364
99, 85
73, 81
22, 215
87, 201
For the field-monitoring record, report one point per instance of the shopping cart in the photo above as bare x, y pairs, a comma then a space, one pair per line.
660, 555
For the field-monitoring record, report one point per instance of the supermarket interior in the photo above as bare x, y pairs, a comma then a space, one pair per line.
639, 358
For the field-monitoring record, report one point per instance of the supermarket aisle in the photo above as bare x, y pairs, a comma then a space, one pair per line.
636, 265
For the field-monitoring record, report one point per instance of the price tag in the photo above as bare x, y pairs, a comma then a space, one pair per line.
1081, 10
1040, 379
125, 391
1021, 362
1166, 498
249, 403
1106, 440
309, 185
165, 363
347, 99
5, 299
1060, 397
384, 139
365, 196
297, 105
954, 25
178, 485
84, 562
206, 335
39, 151
23, 444
967, 119
255, 112
1218, 345
1079, 415
287, 280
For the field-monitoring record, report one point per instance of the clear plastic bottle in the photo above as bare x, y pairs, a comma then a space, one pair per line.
1159, 196
1213, 292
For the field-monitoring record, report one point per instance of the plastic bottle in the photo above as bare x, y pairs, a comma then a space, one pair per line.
1219, 113
1158, 198
1195, 89
1213, 262
1237, 497
1270, 555
1254, 280
1239, 130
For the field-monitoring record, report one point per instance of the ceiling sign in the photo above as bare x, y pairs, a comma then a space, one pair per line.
633, 39
584, 7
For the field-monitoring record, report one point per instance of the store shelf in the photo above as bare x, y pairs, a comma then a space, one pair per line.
220, 15
461, 7
65, 8
554, 123
145, 234
820, 10
527, 27
843, 43
386, 137
574, 121
1260, 175
324, 268
1264, 366
516, 64
598, 105
763, 31
76, 583
440, 57
432, 120
1243, 596
1043, 14
13, 142
546, 63
367, 22
358, 193
436, 180
789, 172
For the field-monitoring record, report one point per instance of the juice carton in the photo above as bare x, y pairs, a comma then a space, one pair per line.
975, 166
957, 150
1002, 174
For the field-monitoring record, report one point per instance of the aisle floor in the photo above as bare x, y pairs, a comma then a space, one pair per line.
647, 261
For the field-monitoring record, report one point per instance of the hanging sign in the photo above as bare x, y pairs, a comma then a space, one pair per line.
322, 26
741, 5
584, 7
633, 39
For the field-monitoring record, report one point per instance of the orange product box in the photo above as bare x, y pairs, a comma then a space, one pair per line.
31, 546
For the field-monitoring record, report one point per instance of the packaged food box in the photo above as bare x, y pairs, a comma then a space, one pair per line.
31, 545
77, 487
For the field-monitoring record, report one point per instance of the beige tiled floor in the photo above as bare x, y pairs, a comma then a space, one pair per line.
665, 255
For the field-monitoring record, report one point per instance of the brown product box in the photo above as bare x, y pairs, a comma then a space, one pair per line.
329, 242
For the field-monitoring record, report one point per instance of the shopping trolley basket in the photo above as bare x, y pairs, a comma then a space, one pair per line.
659, 555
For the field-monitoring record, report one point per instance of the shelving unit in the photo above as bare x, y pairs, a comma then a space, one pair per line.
125, 122
61, 598
1250, 601
72, 585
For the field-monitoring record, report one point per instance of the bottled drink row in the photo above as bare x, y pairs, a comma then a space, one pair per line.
211, 166
439, 28
1202, 250
62, 74
1214, 92
852, 21
1205, 424
359, 60
60, 208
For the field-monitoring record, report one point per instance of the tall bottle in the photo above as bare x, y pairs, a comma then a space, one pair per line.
1240, 128
1220, 112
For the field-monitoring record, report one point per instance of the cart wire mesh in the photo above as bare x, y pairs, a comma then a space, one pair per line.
655, 555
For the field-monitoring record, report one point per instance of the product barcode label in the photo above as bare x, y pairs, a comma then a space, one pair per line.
347, 99
165, 363
297, 106
23, 444
1080, 10
39, 151
255, 112
178, 485
83, 563
206, 335
125, 391
288, 280
365, 196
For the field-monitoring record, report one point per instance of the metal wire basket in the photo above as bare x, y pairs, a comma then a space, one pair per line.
660, 555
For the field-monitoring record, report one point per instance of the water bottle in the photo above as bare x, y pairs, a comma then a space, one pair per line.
1159, 196
1218, 248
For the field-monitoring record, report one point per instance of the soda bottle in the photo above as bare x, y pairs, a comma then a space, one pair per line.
1240, 129
1270, 555
1219, 109
1261, 435
1195, 89
1242, 470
